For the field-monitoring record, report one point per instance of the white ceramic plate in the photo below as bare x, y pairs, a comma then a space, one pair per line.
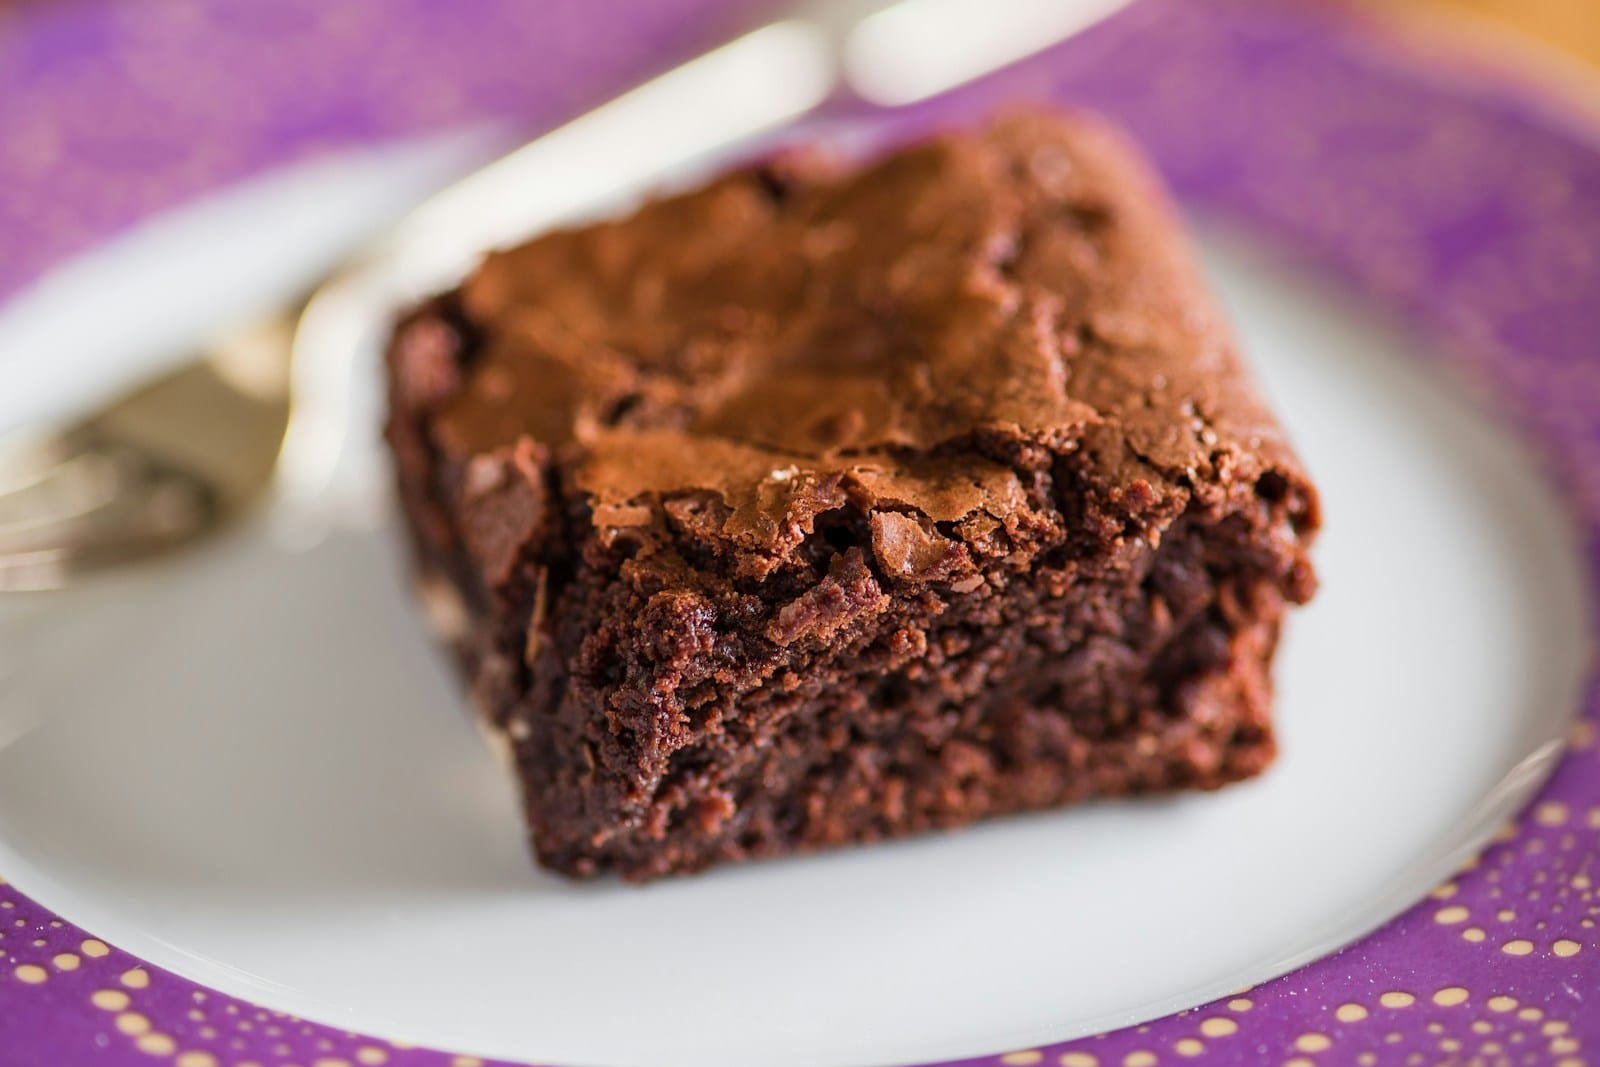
249, 764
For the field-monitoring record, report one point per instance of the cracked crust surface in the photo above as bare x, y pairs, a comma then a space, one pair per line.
825, 504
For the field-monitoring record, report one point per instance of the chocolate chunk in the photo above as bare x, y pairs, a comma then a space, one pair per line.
501, 506
908, 548
845, 598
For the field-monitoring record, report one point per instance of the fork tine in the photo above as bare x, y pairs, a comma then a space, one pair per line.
166, 508
78, 483
152, 470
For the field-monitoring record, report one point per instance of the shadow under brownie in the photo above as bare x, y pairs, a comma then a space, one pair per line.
831, 503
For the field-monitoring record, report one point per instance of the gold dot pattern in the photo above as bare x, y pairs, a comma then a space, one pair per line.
30, 973
1551, 814
109, 999
156, 1044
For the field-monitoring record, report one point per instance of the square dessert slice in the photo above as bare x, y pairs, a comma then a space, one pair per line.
827, 504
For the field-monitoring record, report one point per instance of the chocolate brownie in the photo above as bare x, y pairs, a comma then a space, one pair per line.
832, 503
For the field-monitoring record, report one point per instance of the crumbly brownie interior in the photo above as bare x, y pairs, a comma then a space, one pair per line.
825, 505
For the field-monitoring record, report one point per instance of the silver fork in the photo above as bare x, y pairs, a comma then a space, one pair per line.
154, 469
179, 456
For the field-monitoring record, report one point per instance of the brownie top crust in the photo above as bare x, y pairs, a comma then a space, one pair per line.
804, 329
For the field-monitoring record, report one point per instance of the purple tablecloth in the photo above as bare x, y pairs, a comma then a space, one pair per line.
111, 110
